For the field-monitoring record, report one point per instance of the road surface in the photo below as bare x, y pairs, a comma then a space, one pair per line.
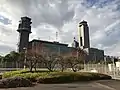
95, 85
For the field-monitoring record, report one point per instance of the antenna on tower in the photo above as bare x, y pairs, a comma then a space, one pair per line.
49, 37
38, 38
56, 36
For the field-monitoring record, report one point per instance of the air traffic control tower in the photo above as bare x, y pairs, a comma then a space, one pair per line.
24, 30
83, 36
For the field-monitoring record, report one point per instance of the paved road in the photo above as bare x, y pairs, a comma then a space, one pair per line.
96, 85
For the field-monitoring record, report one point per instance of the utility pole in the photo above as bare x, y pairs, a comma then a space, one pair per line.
25, 57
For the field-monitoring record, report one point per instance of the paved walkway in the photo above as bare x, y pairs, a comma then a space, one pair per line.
98, 85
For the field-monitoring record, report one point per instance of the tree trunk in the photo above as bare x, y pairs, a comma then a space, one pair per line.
30, 68
35, 68
62, 69
74, 70
50, 69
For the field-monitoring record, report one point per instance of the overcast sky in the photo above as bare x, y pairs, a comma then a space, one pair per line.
63, 16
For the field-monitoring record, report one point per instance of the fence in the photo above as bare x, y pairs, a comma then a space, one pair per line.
112, 69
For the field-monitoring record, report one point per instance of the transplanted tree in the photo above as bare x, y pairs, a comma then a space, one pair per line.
32, 58
49, 60
61, 60
74, 61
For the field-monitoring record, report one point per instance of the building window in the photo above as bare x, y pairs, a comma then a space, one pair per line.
81, 41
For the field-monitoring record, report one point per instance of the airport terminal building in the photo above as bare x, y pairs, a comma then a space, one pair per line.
24, 30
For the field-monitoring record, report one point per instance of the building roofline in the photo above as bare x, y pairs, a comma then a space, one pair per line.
97, 49
83, 21
57, 43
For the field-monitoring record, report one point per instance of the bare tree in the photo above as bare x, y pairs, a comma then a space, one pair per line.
62, 62
75, 60
72, 62
49, 60
32, 58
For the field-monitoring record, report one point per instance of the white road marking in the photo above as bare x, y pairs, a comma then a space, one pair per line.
105, 86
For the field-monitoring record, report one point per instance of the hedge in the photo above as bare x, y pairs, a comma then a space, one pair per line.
12, 73
56, 77
15, 82
71, 77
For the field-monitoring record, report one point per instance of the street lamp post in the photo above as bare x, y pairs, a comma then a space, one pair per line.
25, 58
113, 67
105, 65
95, 60
84, 65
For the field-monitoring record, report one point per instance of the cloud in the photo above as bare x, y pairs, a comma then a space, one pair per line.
63, 16
4, 49
4, 20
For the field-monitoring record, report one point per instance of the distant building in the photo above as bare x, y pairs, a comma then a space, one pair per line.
47, 46
83, 37
96, 54
24, 30
84, 43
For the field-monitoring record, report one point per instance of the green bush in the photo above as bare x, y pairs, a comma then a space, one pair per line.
22, 73
14, 82
12, 73
56, 77
63, 77
31, 76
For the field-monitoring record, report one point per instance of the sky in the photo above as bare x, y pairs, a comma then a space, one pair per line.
62, 16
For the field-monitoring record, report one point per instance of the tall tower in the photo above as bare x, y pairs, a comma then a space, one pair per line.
24, 30
83, 35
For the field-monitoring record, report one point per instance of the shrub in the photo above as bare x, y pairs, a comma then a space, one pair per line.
22, 73
71, 77
12, 73
54, 79
57, 77
14, 82
31, 76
